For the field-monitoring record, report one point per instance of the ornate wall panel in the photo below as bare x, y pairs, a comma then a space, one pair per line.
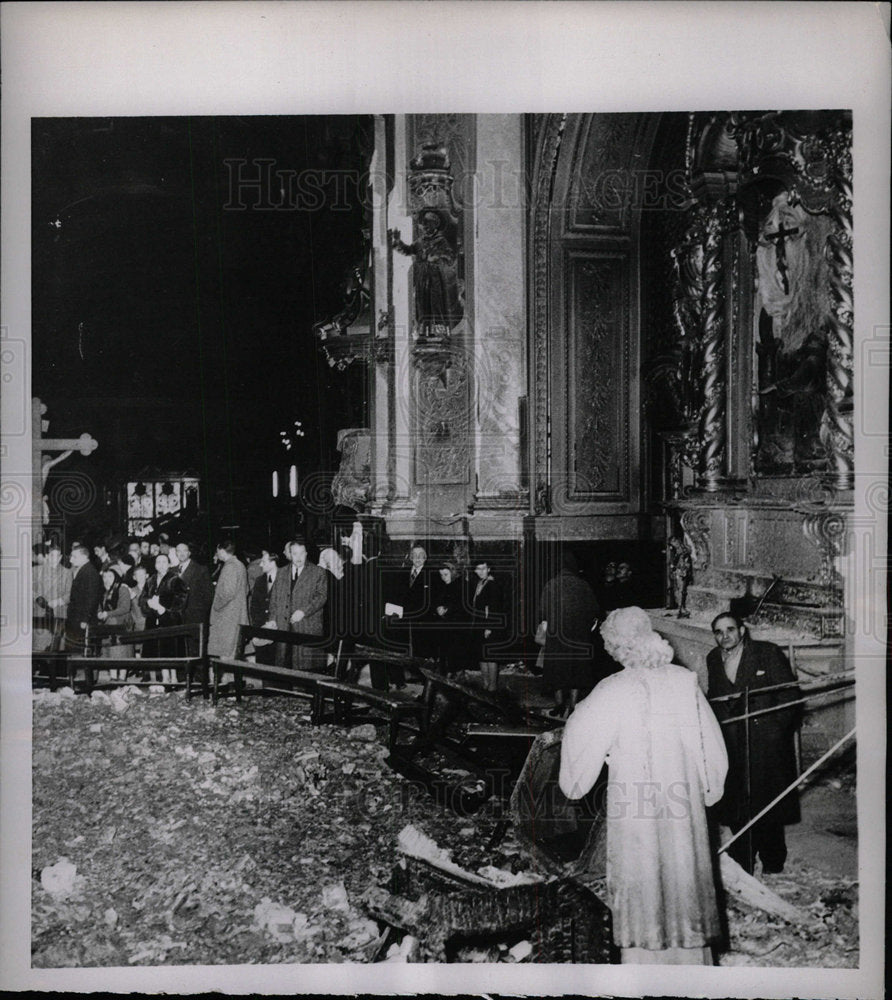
585, 411
442, 382
598, 378
442, 452
604, 186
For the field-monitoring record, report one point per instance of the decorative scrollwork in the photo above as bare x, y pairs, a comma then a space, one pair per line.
695, 528
827, 531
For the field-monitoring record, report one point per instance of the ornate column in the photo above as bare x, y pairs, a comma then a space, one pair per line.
712, 417
836, 426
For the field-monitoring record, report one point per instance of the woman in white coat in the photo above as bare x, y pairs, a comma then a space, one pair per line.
667, 761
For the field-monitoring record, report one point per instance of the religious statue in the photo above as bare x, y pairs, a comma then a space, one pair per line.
438, 305
792, 340
680, 574
352, 484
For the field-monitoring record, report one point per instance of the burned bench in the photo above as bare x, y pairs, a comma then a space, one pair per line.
394, 707
193, 666
447, 910
276, 679
467, 729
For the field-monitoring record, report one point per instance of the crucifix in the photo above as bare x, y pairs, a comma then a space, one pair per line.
41, 462
778, 238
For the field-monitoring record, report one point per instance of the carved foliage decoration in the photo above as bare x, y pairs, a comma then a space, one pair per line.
596, 413
442, 409
712, 418
837, 433
827, 531
695, 528
604, 187
673, 376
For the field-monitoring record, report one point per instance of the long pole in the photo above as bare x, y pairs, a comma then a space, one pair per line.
788, 789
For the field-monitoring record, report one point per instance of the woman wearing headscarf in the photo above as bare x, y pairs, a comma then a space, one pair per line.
114, 610
667, 761
568, 609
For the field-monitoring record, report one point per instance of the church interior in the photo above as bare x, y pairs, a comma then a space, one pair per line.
626, 334
627, 337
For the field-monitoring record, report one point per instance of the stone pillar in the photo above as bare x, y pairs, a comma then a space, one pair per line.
399, 217
499, 297
381, 375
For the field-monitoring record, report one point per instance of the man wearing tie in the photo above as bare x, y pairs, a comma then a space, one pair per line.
761, 755
298, 596
417, 603
259, 610
201, 594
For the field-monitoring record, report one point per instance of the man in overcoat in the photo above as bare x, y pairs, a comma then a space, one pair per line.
86, 596
230, 607
259, 605
296, 601
201, 593
761, 753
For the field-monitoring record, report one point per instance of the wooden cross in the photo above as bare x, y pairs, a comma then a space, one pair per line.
778, 238
41, 462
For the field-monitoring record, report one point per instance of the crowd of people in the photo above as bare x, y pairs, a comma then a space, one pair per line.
611, 675
337, 589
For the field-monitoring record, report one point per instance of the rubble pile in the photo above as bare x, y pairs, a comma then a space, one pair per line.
167, 833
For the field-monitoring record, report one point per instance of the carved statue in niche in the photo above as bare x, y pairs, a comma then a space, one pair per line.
436, 271
438, 306
680, 574
791, 347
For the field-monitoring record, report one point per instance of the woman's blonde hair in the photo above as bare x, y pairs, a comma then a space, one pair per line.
631, 640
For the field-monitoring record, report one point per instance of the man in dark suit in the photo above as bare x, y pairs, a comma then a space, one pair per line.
298, 596
259, 605
86, 596
761, 754
417, 602
201, 594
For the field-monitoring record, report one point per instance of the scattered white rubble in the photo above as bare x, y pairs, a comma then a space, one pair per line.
401, 952
503, 879
277, 920
334, 897
522, 950
365, 732
58, 879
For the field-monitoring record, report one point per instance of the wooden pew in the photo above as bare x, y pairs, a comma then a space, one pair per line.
51, 662
395, 706
486, 734
282, 680
92, 662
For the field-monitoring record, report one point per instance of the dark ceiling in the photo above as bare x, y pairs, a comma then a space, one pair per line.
173, 325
